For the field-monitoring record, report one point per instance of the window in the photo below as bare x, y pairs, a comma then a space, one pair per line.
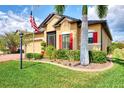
51, 39
65, 41
90, 37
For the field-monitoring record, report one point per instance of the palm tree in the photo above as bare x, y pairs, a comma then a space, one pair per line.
101, 12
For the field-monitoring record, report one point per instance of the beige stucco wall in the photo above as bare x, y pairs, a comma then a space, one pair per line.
105, 40
95, 28
67, 28
92, 28
50, 26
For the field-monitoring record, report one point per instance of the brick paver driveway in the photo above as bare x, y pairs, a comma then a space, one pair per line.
8, 57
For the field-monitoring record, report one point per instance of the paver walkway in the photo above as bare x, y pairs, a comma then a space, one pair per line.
8, 57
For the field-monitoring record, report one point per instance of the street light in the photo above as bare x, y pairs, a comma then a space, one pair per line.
21, 35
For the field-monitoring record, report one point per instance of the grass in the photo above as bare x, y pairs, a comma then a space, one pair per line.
35, 74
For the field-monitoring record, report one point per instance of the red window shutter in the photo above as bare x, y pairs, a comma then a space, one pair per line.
60, 41
71, 41
95, 37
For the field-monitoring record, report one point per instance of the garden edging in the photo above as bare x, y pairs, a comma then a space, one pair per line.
78, 69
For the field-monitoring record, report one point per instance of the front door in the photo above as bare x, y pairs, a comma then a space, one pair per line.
51, 38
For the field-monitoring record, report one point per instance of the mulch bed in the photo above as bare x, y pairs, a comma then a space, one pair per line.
76, 64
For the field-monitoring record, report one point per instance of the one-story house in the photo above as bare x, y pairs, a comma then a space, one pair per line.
63, 32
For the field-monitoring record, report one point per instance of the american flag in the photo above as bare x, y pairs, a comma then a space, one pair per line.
33, 23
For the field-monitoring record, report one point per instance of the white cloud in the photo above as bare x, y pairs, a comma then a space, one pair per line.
115, 18
11, 22
25, 11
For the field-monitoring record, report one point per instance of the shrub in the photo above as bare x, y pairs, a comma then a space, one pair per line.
73, 55
61, 54
70, 55
29, 55
97, 56
43, 45
118, 53
36, 55
49, 51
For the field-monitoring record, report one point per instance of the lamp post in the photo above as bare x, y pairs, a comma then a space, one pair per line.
21, 35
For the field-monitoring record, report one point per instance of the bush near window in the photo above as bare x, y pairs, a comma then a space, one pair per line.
61, 54
36, 55
49, 51
97, 56
74, 55
118, 53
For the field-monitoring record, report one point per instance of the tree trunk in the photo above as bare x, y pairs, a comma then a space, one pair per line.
84, 52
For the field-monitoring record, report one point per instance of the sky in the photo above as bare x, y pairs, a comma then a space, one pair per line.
13, 17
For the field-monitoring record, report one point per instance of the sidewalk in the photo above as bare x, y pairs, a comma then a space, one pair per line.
8, 57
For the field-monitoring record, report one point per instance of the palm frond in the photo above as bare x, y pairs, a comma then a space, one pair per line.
59, 9
101, 11
84, 10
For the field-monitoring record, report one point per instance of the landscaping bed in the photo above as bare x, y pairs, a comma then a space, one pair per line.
75, 65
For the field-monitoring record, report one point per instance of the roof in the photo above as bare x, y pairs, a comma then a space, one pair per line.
61, 18
90, 22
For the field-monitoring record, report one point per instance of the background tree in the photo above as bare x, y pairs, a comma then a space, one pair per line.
101, 11
9, 41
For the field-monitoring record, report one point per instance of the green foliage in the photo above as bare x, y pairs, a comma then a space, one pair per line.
61, 54
51, 76
43, 45
49, 51
9, 41
38, 56
73, 55
35, 55
29, 55
102, 11
118, 53
84, 10
59, 9
113, 46
97, 56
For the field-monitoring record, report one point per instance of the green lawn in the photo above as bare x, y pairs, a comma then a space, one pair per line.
46, 75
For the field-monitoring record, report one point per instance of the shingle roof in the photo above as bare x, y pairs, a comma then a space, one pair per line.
62, 17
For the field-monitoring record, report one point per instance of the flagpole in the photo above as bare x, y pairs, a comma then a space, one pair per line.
33, 45
33, 35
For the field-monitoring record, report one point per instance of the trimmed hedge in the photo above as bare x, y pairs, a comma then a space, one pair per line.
61, 54
97, 56
74, 55
36, 55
